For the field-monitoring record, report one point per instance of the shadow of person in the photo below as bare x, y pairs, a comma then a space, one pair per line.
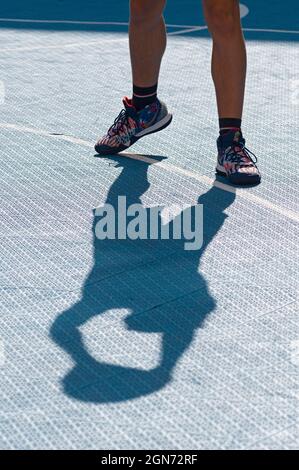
156, 280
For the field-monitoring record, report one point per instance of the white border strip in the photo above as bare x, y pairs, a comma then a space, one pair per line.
242, 193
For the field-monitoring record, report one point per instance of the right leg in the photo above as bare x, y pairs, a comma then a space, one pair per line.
147, 35
144, 114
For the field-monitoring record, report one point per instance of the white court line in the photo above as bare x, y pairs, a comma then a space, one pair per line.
256, 30
60, 46
99, 23
116, 23
242, 193
264, 30
112, 40
187, 30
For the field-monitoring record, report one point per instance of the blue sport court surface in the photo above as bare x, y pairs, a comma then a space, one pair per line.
122, 344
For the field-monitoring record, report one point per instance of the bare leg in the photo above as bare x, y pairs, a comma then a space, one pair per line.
147, 36
147, 40
229, 55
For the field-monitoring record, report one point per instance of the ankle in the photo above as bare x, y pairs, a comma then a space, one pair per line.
229, 124
143, 96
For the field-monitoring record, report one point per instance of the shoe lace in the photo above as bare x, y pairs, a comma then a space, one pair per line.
121, 122
237, 153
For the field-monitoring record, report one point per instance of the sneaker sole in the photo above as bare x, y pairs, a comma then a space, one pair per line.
239, 180
159, 126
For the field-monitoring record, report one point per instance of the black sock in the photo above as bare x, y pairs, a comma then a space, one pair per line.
144, 96
227, 124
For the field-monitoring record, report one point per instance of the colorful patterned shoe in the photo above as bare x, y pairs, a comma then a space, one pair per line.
235, 161
130, 125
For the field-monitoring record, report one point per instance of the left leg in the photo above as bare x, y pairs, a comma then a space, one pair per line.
229, 75
228, 57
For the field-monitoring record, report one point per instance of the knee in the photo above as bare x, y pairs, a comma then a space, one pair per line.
223, 18
146, 12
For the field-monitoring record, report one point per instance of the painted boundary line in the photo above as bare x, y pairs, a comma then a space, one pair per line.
242, 193
187, 30
68, 45
187, 27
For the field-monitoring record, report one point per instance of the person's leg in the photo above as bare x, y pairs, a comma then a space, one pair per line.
229, 75
228, 57
144, 114
147, 36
